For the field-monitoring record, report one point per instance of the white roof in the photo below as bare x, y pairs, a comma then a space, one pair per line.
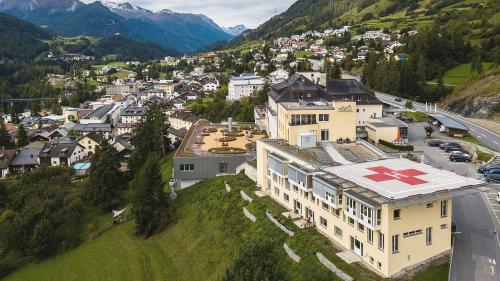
401, 178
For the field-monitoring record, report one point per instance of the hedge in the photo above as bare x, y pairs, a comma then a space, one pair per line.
227, 150
408, 147
227, 139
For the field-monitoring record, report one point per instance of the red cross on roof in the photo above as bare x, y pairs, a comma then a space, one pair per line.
408, 176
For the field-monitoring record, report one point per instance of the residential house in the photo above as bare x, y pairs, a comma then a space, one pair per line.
90, 142
244, 86
61, 153
6, 157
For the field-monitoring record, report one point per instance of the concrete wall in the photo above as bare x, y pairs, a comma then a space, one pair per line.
206, 167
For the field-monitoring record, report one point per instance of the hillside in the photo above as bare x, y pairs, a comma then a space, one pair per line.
127, 49
478, 98
306, 15
178, 31
206, 238
20, 40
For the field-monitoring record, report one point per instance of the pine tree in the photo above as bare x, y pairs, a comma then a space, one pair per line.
150, 204
22, 136
105, 178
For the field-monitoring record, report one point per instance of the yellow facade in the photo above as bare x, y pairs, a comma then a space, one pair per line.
340, 121
375, 134
411, 226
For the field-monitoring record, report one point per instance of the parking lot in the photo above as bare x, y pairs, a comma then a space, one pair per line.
439, 159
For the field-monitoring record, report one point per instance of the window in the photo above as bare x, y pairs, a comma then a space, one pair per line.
379, 216
428, 236
277, 191
357, 109
381, 242
324, 117
397, 214
222, 168
395, 243
325, 135
303, 119
361, 227
275, 177
286, 197
351, 221
444, 226
444, 208
329, 197
369, 235
295, 188
186, 167
337, 212
325, 206
323, 222
338, 232
379, 264
340, 199
412, 233
429, 205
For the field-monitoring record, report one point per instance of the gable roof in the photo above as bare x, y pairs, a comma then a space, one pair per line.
6, 157
63, 148
26, 156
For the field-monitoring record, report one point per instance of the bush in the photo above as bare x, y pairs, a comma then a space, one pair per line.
205, 134
227, 150
234, 134
227, 139
408, 147
210, 130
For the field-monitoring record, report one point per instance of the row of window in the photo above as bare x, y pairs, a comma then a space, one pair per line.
443, 211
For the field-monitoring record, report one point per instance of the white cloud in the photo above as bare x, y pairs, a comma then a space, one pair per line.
223, 12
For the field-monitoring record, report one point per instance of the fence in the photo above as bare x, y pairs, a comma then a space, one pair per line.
279, 225
328, 264
290, 253
249, 215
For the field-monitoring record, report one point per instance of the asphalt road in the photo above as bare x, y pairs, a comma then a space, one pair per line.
489, 138
476, 248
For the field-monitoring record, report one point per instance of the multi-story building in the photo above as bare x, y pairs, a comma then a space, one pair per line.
367, 105
395, 214
244, 86
299, 105
166, 86
122, 90
299, 108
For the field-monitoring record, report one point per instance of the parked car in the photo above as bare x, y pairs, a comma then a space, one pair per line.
493, 178
460, 157
498, 197
459, 152
435, 143
398, 99
447, 144
454, 148
484, 168
492, 171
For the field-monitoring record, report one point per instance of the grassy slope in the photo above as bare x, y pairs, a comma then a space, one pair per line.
206, 237
460, 74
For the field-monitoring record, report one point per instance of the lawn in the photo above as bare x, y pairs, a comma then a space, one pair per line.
417, 116
207, 235
118, 64
461, 73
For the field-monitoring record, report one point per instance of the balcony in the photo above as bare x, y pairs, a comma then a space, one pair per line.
300, 176
362, 212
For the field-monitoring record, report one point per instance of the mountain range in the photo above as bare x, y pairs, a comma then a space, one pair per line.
181, 32
235, 30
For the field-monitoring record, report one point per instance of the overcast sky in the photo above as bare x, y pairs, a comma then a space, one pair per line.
223, 12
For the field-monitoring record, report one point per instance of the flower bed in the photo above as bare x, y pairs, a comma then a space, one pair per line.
227, 150
227, 139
